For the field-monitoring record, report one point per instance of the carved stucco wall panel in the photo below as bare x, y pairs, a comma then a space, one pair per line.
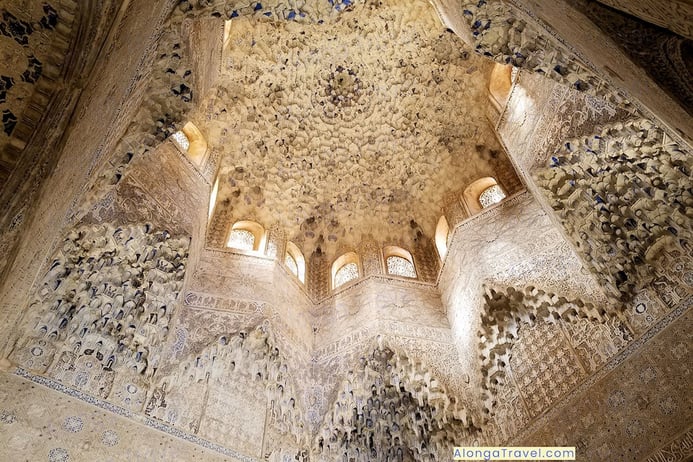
645, 397
678, 449
379, 299
239, 383
544, 344
163, 188
489, 248
103, 113
529, 131
545, 365
222, 277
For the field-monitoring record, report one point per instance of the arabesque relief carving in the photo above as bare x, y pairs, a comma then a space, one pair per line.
242, 373
507, 311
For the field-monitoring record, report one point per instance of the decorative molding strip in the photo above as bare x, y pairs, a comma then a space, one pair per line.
324, 352
493, 211
392, 280
680, 449
243, 255
206, 301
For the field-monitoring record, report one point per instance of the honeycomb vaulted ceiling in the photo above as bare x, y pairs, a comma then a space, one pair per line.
363, 124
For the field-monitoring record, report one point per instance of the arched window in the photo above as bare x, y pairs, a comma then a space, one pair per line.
399, 262
227, 33
247, 235
290, 263
442, 233
491, 195
345, 269
192, 143
295, 261
181, 140
483, 193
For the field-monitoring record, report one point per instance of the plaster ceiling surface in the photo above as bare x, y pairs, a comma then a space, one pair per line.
362, 124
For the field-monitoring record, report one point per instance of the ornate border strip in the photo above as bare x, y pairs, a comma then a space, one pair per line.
220, 303
326, 351
681, 447
136, 417
393, 280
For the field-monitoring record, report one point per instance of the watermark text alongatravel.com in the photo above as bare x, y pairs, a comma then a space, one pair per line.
514, 453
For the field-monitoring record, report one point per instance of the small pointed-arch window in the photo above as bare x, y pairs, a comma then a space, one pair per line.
295, 261
241, 239
399, 262
246, 235
213, 198
500, 84
346, 273
442, 234
290, 263
399, 266
482, 193
190, 140
181, 140
491, 195
345, 269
